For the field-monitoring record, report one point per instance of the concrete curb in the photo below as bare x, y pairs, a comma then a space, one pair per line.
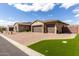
23, 48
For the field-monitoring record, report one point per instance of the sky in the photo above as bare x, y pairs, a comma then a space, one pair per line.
28, 12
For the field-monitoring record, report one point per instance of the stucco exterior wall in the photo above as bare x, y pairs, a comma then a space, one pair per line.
19, 27
24, 27
71, 29
16, 28
59, 27
37, 23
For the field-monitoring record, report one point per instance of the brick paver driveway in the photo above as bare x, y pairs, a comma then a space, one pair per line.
7, 49
27, 38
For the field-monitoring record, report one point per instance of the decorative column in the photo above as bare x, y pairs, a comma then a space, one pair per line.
31, 29
43, 28
55, 29
17, 27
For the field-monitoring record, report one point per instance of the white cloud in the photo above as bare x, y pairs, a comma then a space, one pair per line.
40, 1
5, 22
40, 6
77, 15
68, 21
31, 1
67, 5
76, 12
34, 6
72, 22
9, 21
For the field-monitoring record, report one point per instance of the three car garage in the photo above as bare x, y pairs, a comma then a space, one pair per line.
47, 26
39, 28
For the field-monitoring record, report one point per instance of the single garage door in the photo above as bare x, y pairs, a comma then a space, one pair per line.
37, 29
50, 29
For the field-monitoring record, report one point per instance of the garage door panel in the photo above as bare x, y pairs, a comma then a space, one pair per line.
37, 29
51, 30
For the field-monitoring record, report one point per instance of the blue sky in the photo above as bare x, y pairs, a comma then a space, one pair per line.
16, 12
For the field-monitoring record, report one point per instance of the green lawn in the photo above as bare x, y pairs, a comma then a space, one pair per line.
57, 48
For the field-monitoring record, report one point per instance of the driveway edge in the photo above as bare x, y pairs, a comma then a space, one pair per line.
23, 48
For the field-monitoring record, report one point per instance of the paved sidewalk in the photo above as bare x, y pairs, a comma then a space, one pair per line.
7, 49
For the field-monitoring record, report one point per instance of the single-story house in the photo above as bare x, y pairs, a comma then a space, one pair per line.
22, 26
2, 29
48, 26
9, 28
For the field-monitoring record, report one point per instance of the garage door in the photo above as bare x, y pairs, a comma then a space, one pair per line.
50, 29
37, 29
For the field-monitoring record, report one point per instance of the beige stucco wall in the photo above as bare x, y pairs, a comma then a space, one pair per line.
74, 28
37, 23
16, 25
7, 28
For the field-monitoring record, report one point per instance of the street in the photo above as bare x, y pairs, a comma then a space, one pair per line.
7, 49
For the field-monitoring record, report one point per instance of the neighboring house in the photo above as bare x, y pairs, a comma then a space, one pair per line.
2, 29
48, 26
9, 28
22, 26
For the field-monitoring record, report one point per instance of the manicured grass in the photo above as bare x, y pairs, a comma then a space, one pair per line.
57, 48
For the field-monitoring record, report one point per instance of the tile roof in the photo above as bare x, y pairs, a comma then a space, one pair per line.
47, 21
23, 23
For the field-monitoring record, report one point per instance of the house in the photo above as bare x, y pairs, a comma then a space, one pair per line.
48, 26
2, 29
9, 28
22, 26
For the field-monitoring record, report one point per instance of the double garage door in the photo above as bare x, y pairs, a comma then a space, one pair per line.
49, 29
37, 28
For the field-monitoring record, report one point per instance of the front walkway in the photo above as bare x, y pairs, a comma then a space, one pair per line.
27, 38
